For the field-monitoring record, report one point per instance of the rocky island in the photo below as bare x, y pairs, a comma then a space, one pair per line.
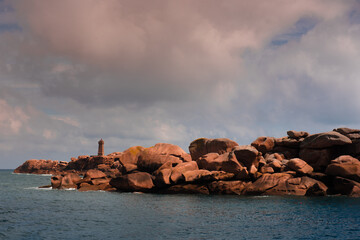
298, 164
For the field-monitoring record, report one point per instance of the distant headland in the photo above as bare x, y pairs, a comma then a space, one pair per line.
299, 164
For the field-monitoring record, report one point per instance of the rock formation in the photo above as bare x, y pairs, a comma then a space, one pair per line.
297, 164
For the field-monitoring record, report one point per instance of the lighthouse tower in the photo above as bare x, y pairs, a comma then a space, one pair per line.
101, 148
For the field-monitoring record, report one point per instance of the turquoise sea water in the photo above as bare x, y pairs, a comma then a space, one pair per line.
27, 212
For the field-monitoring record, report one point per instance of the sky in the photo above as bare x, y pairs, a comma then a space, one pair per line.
140, 72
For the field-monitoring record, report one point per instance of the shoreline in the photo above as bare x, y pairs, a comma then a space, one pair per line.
298, 164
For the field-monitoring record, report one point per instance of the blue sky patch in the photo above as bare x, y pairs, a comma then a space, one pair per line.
301, 27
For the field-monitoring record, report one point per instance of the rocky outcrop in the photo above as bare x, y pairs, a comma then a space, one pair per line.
84, 163
297, 164
35, 166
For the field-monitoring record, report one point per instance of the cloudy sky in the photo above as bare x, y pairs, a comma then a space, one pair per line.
141, 72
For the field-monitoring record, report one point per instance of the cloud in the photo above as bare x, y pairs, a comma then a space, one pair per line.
311, 79
136, 73
121, 51
11, 119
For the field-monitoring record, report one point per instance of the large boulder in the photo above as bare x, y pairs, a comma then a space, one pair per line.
325, 140
265, 182
346, 187
70, 180
285, 184
99, 181
299, 166
226, 162
162, 174
140, 181
202, 146
178, 171
94, 173
41, 166
130, 155
264, 144
128, 168
300, 186
267, 169
248, 156
152, 158
273, 156
276, 165
345, 166
84, 187
297, 135
319, 159
162, 177
227, 187
348, 132
196, 175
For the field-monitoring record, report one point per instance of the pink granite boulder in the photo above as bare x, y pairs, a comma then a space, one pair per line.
140, 181
203, 146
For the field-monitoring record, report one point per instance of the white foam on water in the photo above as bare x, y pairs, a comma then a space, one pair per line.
38, 188
32, 174
137, 192
69, 189
262, 196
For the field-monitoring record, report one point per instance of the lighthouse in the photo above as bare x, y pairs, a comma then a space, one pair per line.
101, 148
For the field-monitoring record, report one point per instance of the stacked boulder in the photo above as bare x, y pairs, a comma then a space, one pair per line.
330, 158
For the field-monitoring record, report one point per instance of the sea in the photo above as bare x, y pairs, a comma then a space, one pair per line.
29, 212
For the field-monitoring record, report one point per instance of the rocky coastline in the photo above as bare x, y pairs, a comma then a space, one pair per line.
299, 164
